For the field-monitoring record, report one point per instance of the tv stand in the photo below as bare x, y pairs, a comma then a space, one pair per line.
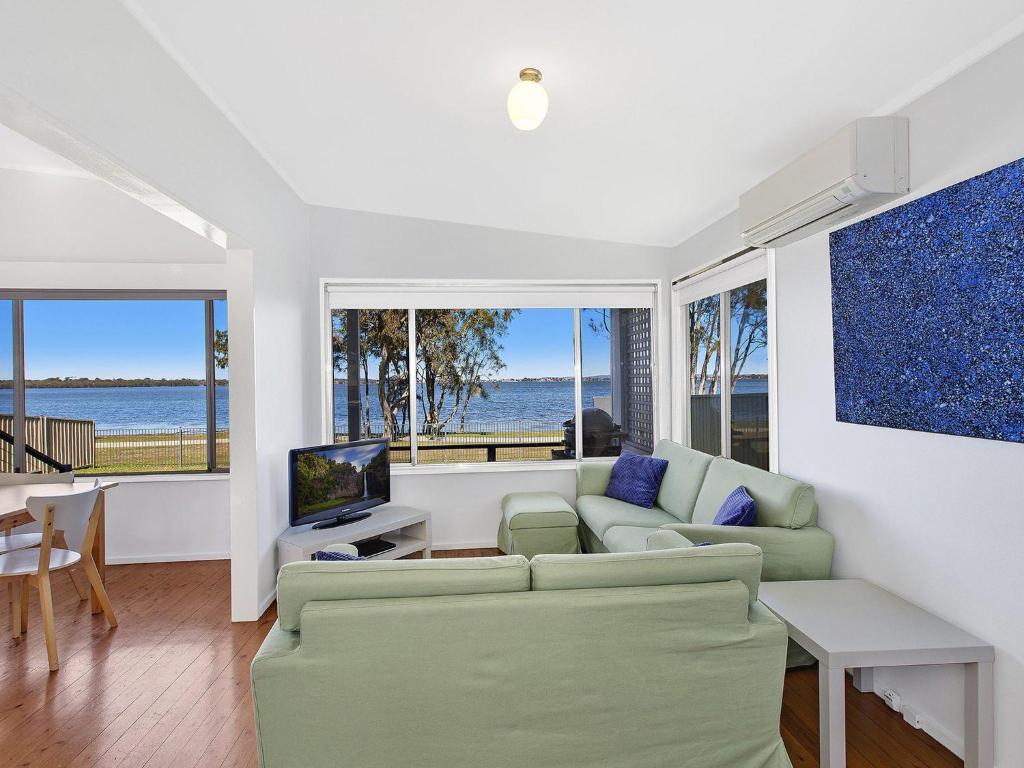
346, 519
407, 527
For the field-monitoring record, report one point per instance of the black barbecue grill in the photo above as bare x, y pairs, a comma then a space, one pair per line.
601, 435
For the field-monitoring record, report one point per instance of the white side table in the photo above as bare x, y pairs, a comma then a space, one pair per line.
854, 624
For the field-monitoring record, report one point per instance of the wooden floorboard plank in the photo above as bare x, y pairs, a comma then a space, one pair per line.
170, 685
142, 650
131, 733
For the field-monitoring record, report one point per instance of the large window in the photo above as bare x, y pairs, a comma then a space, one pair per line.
506, 383
6, 386
726, 376
617, 383
370, 351
112, 384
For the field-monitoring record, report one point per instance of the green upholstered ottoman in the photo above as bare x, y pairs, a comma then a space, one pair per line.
537, 523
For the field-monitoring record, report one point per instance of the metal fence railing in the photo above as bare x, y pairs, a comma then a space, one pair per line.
156, 450
477, 441
77, 442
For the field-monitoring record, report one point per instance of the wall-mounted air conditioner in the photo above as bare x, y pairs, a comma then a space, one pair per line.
861, 167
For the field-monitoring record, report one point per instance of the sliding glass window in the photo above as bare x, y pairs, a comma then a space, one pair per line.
727, 373
617, 385
6, 385
748, 374
113, 385
705, 322
370, 352
491, 384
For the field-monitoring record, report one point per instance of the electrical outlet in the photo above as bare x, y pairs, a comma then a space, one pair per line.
893, 700
911, 716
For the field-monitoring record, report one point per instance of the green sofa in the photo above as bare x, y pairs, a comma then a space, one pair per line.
693, 489
659, 659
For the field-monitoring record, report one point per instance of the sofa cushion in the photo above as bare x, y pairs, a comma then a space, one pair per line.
302, 582
781, 501
689, 565
633, 538
790, 554
600, 513
537, 509
636, 479
683, 478
737, 509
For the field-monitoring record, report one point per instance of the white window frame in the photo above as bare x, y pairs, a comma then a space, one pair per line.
518, 294
18, 297
734, 273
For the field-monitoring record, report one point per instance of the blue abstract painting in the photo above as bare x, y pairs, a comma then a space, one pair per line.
928, 312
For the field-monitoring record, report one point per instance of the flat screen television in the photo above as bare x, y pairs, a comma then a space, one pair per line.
337, 484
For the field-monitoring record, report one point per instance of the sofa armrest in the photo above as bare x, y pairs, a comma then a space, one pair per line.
277, 643
790, 554
666, 539
592, 479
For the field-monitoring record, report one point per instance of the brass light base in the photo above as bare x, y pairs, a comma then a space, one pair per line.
530, 74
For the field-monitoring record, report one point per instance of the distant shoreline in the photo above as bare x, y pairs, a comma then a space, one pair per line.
70, 383
108, 383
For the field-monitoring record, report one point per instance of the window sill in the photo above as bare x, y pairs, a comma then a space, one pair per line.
164, 477
565, 465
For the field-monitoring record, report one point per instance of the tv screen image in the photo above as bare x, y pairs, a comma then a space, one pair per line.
332, 481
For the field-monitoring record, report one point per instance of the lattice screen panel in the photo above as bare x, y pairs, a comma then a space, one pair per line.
638, 389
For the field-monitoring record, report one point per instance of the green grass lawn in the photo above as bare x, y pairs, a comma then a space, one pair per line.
174, 452
155, 453
446, 450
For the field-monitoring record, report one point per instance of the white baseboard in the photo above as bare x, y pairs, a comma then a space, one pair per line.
464, 545
168, 558
946, 738
266, 601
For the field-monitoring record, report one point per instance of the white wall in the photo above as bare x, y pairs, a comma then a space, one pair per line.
151, 520
351, 244
934, 518
47, 217
114, 101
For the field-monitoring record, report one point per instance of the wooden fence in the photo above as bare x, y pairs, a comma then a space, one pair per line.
69, 441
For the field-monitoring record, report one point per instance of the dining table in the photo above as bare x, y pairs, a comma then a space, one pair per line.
14, 512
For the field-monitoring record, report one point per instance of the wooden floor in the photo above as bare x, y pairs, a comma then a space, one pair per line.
170, 685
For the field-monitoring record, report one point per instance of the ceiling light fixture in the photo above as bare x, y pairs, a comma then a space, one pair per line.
527, 101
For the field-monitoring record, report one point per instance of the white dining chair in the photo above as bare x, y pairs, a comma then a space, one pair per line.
28, 536
77, 515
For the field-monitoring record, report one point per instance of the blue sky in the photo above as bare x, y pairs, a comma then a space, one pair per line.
164, 339
111, 339
539, 343
6, 361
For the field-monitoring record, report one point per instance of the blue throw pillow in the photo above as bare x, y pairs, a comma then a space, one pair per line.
737, 509
636, 479
325, 555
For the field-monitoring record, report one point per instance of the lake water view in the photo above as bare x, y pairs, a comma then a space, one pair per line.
532, 405
150, 408
172, 408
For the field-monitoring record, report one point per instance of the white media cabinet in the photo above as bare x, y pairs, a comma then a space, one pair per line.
407, 527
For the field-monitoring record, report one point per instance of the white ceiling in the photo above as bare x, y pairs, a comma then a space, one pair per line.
661, 112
